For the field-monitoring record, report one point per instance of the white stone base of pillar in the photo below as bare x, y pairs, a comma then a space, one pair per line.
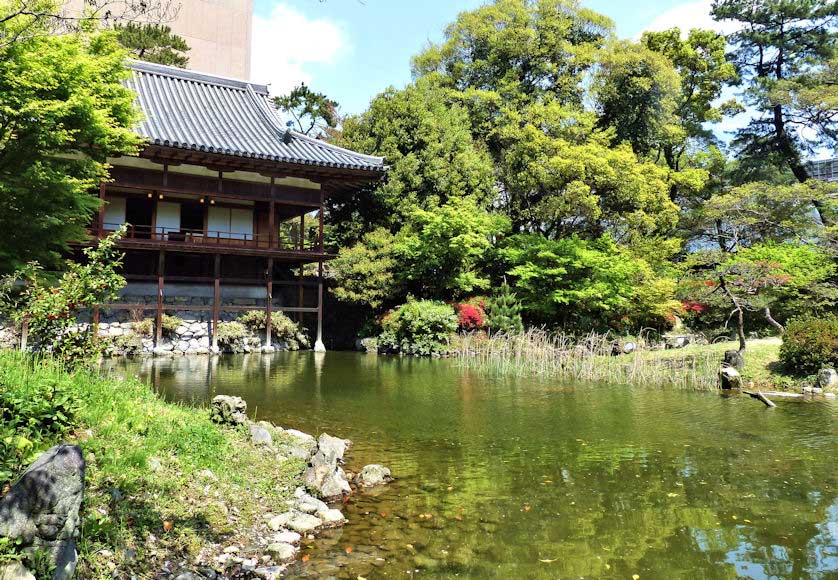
319, 346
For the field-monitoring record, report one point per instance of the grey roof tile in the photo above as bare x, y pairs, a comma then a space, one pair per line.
200, 112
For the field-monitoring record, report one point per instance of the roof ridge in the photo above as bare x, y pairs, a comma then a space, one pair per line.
190, 75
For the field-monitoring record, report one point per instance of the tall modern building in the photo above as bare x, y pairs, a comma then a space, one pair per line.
218, 33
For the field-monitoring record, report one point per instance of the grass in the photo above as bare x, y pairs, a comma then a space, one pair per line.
538, 352
164, 483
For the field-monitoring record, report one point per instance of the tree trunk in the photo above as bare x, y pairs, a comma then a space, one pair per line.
773, 322
738, 310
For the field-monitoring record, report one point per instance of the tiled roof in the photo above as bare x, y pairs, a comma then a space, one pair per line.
200, 112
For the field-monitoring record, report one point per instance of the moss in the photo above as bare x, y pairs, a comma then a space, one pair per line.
169, 513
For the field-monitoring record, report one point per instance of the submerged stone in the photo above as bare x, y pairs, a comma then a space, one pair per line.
372, 475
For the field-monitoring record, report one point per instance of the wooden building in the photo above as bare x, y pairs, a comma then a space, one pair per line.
224, 204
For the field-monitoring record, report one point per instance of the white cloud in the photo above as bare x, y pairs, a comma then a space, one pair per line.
688, 16
287, 41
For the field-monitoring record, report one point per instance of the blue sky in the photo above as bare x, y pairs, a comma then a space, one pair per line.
354, 49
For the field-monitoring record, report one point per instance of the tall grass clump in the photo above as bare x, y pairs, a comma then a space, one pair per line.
588, 358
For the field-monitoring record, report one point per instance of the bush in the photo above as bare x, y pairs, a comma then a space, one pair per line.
127, 345
144, 327
420, 327
810, 344
170, 324
283, 328
470, 316
32, 415
505, 312
230, 334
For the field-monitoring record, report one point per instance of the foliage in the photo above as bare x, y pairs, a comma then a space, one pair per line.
419, 327
470, 316
127, 345
366, 272
307, 107
636, 92
810, 344
584, 282
230, 333
283, 328
31, 417
63, 111
782, 47
504, 311
50, 310
153, 43
170, 324
432, 155
144, 327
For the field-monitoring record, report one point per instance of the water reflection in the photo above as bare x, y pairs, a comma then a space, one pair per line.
501, 478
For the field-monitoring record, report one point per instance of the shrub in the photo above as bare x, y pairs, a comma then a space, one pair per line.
420, 327
505, 312
170, 324
230, 334
283, 328
144, 327
32, 415
470, 316
128, 345
810, 344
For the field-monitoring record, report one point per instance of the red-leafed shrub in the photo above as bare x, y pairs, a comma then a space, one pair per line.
470, 317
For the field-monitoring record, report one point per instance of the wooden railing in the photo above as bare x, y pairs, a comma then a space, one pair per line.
207, 238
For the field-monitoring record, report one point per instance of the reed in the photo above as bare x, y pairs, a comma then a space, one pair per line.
538, 352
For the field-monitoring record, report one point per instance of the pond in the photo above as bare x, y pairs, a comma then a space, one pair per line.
525, 478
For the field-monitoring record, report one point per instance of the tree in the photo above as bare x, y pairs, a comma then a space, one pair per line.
313, 113
366, 271
432, 155
504, 311
782, 47
153, 43
63, 111
588, 283
636, 92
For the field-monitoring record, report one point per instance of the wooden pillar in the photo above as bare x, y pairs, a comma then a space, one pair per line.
318, 344
158, 326
301, 290
216, 301
101, 223
269, 301
24, 333
272, 217
302, 241
320, 233
96, 322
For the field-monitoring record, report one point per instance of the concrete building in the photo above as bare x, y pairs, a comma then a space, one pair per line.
218, 32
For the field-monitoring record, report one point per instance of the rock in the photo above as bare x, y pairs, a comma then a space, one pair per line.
259, 435
308, 504
42, 508
154, 464
15, 571
332, 448
372, 475
287, 537
270, 572
729, 378
733, 358
296, 521
303, 440
332, 517
827, 379
187, 576
282, 552
228, 410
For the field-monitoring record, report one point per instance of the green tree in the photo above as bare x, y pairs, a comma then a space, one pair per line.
781, 47
153, 43
63, 111
504, 311
313, 113
366, 272
432, 155
589, 283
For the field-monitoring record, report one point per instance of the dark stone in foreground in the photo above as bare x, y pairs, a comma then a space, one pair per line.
42, 509
733, 358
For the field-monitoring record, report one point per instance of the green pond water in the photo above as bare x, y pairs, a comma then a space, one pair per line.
524, 478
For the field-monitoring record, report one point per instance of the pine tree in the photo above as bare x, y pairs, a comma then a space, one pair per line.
153, 43
505, 311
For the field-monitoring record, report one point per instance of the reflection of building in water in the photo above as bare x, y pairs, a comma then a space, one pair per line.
218, 33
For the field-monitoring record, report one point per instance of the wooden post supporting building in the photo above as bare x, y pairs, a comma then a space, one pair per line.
216, 301
269, 298
158, 324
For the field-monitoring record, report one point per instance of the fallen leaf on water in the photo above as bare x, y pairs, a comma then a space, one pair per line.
348, 549
527, 508
383, 514
549, 561
409, 546
306, 558
608, 566
734, 517
670, 494
361, 578
450, 488
635, 577
747, 521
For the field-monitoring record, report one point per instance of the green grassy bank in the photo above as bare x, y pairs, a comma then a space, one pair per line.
164, 483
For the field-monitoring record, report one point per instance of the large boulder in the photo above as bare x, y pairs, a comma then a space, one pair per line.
324, 475
15, 571
260, 435
228, 410
42, 508
332, 448
372, 475
734, 358
827, 380
729, 378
